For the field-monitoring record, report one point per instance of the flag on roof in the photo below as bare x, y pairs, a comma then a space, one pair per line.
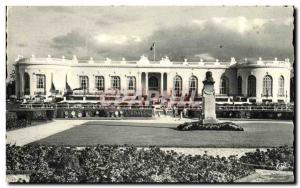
152, 46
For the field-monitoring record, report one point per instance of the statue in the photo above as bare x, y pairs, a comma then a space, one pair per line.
209, 100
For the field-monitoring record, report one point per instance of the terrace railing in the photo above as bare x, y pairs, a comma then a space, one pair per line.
262, 108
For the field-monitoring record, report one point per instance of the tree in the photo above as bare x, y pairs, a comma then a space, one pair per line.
10, 86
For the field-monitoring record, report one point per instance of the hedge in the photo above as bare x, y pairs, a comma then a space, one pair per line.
113, 164
23, 118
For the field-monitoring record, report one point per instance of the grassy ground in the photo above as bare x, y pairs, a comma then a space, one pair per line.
265, 134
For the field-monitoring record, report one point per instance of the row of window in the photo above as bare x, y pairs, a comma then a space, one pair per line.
177, 84
100, 82
267, 86
224, 85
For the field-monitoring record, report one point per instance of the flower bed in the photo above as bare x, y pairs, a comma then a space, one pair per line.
197, 125
280, 158
113, 164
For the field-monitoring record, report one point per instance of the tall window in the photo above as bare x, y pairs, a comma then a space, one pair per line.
193, 85
116, 82
84, 82
281, 86
99, 82
153, 83
177, 85
239, 85
26, 84
131, 82
41, 83
224, 89
267, 86
251, 86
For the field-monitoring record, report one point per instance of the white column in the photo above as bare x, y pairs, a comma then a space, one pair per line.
21, 84
17, 85
275, 87
146, 80
124, 83
138, 83
162, 83
259, 88
170, 83
107, 82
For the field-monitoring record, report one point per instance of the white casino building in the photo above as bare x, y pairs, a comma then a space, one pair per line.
260, 80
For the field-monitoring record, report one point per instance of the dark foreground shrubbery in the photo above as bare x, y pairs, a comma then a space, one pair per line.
21, 119
197, 125
12, 121
280, 158
58, 164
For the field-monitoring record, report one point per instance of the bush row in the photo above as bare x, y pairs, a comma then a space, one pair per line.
112, 164
12, 121
198, 125
21, 119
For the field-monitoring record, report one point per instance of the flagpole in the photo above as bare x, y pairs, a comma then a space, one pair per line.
154, 49
154, 53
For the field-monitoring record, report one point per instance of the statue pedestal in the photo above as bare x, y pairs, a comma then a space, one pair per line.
209, 109
209, 101
209, 121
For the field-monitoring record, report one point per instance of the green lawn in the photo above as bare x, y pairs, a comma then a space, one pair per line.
266, 134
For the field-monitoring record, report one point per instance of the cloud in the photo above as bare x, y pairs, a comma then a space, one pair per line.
217, 38
71, 40
223, 38
108, 39
206, 57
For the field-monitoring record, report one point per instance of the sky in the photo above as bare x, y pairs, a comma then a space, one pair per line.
178, 32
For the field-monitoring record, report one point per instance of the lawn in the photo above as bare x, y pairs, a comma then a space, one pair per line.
264, 134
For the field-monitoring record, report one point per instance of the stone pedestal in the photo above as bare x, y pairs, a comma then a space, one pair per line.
209, 100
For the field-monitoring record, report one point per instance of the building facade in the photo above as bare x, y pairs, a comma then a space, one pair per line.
261, 80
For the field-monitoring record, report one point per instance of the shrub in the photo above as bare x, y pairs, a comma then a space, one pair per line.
21, 119
12, 121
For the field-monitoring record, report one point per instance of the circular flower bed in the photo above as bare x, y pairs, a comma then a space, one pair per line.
197, 125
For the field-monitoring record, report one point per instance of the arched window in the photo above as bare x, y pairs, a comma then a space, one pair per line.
251, 86
224, 89
116, 82
267, 86
177, 85
239, 85
26, 84
153, 83
281, 86
193, 85
41, 84
100, 83
84, 82
131, 82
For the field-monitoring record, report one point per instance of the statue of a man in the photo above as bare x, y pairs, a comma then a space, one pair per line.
208, 79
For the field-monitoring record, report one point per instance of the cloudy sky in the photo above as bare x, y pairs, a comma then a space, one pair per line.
179, 32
